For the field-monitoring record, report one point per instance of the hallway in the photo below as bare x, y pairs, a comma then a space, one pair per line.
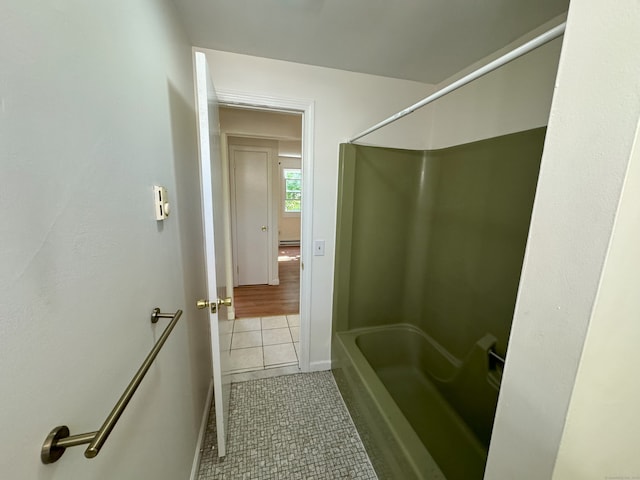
268, 300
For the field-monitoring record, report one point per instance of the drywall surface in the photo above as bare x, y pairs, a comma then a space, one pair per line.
513, 98
253, 142
602, 431
345, 103
257, 123
588, 145
603, 424
290, 148
96, 106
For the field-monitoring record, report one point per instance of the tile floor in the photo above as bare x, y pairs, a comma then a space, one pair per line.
261, 343
288, 427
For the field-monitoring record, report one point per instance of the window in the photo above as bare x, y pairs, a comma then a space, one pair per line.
292, 189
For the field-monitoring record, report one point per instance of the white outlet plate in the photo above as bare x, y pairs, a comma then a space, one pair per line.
318, 248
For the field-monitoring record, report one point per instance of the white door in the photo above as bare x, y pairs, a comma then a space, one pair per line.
251, 203
213, 226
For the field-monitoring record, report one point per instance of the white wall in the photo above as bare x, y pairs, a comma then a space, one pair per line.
345, 103
290, 148
96, 106
602, 431
592, 130
513, 98
255, 123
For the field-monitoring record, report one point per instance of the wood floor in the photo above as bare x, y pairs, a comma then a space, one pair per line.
266, 300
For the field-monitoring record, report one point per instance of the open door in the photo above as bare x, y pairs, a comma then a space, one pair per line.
214, 236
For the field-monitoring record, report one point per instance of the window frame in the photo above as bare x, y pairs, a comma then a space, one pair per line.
283, 180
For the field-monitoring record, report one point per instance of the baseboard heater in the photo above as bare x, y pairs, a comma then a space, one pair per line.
289, 243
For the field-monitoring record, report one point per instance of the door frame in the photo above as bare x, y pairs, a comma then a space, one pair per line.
306, 108
272, 219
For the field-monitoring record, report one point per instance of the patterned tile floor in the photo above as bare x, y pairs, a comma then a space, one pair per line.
287, 428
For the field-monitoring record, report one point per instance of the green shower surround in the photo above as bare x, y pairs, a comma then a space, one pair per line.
438, 238
434, 239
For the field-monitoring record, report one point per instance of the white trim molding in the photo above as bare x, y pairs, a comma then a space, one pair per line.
203, 430
320, 366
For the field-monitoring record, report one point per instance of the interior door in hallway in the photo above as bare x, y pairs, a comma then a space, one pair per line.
211, 177
251, 177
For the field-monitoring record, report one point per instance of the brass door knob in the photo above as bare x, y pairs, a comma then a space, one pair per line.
224, 301
202, 304
263, 228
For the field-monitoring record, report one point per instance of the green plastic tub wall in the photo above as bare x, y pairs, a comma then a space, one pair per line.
433, 239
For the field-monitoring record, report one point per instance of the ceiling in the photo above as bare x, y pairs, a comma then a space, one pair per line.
422, 40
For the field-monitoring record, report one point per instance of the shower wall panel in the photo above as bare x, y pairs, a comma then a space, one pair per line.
478, 217
379, 192
435, 238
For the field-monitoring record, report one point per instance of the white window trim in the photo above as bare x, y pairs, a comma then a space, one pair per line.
283, 189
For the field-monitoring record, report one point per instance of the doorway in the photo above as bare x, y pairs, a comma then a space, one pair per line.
264, 151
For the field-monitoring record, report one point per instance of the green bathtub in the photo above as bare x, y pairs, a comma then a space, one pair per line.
429, 250
431, 413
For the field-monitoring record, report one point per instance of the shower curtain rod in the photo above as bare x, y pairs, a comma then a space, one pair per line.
540, 40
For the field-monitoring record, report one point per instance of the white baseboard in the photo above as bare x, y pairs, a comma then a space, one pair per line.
320, 366
201, 434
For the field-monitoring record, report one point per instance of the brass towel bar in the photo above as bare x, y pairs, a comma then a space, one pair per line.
59, 439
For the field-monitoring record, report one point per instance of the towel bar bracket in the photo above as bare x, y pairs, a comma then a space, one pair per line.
51, 451
157, 315
59, 440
